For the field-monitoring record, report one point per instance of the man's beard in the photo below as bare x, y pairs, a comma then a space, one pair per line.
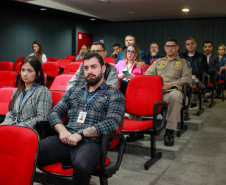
93, 81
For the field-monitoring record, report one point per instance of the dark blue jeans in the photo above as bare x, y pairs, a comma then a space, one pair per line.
85, 157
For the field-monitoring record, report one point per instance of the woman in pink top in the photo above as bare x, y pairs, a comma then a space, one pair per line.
132, 64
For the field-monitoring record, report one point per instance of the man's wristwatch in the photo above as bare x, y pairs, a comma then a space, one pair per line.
80, 132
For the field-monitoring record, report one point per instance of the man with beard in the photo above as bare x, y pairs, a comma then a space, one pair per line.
93, 109
175, 71
110, 75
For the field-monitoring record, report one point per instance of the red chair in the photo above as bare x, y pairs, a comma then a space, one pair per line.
5, 98
110, 60
71, 57
71, 68
60, 82
221, 85
7, 78
6, 66
144, 98
109, 142
52, 59
79, 60
147, 66
19, 152
51, 69
18, 72
19, 60
63, 63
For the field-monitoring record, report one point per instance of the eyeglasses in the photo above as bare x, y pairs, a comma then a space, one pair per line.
132, 52
170, 46
97, 51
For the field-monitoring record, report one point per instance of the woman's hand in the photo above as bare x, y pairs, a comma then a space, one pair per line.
128, 75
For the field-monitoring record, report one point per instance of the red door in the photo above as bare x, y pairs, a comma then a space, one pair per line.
84, 38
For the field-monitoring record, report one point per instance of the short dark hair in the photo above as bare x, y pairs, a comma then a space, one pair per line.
208, 41
171, 39
90, 55
189, 38
85, 45
154, 43
99, 43
117, 44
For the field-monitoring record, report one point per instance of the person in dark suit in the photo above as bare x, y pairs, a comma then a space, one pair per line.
213, 63
154, 49
198, 64
129, 39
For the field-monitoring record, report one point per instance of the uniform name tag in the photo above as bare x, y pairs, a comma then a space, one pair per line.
82, 117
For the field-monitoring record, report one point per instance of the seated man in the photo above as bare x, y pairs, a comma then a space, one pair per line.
154, 49
93, 109
111, 75
175, 71
129, 39
198, 64
116, 49
83, 51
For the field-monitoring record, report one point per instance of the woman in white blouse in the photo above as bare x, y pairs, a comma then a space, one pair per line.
37, 48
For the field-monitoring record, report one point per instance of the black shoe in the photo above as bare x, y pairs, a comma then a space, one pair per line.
134, 137
193, 105
169, 138
131, 138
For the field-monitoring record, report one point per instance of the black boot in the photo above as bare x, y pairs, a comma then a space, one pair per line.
169, 138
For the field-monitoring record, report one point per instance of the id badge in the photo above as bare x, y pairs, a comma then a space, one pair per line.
82, 117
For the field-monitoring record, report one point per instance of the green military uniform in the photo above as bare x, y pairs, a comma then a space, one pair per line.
177, 72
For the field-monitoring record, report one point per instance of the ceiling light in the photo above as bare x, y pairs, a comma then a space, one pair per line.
92, 19
104, 1
185, 10
43, 9
130, 12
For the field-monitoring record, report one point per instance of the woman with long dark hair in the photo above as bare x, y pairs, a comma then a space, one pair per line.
37, 48
32, 101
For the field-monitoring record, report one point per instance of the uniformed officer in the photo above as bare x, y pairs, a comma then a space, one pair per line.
175, 71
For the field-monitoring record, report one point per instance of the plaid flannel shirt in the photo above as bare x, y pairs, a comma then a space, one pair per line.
105, 111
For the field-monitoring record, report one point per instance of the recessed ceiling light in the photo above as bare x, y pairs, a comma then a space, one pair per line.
185, 10
43, 9
92, 19
131, 12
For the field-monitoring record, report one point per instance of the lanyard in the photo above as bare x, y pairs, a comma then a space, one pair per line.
127, 66
22, 95
87, 102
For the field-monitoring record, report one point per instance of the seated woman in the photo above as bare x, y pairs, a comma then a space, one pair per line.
37, 48
130, 66
31, 102
222, 59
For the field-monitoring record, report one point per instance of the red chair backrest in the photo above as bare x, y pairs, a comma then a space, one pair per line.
141, 94
51, 68
147, 66
18, 154
63, 62
110, 60
71, 57
5, 98
52, 59
60, 82
71, 68
6, 66
18, 72
79, 60
17, 62
7, 78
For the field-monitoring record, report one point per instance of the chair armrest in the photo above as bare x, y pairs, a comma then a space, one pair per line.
157, 124
106, 139
187, 91
43, 128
